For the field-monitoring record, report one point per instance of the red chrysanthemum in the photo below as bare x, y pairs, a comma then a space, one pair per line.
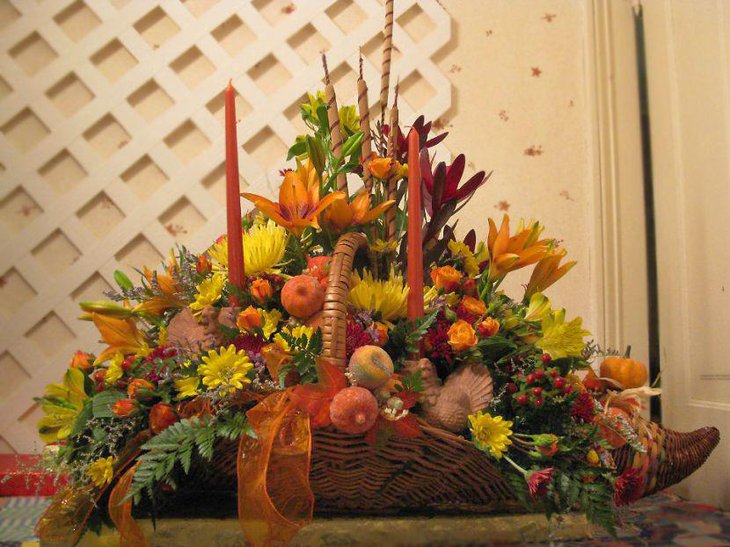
356, 336
584, 407
436, 342
248, 342
538, 482
628, 488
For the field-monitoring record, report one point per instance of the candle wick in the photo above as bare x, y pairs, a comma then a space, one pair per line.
395, 99
361, 64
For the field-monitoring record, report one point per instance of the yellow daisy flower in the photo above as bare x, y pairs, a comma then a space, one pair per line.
101, 471
187, 387
209, 292
226, 369
381, 246
271, 321
491, 434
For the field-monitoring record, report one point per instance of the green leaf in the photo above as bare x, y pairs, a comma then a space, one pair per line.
297, 149
352, 145
123, 281
103, 402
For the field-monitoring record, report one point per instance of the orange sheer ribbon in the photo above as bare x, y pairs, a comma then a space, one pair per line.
64, 521
275, 499
120, 511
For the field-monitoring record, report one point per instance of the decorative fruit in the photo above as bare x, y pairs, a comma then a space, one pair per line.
609, 425
302, 296
370, 367
627, 372
354, 410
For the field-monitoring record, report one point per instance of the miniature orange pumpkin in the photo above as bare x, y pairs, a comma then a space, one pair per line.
627, 372
354, 410
302, 296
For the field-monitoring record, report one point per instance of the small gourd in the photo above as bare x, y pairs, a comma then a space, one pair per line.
625, 371
370, 367
302, 296
354, 410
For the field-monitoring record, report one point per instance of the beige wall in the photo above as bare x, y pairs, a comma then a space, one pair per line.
520, 72
102, 169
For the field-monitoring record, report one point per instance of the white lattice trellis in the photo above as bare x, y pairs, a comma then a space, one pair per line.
111, 141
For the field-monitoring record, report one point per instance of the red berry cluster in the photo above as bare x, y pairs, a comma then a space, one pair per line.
534, 388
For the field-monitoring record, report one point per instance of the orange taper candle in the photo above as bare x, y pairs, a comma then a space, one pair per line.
233, 196
415, 246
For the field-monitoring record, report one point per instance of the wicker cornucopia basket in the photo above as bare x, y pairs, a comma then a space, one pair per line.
440, 470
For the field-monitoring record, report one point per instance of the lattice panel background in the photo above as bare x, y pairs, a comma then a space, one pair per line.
112, 142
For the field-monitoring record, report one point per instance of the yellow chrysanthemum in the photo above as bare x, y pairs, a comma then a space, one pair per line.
561, 339
491, 434
187, 387
114, 372
296, 332
271, 321
227, 370
209, 292
460, 250
388, 298
263, 248
101, 471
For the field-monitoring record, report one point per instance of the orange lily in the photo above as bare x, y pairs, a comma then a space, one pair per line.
169, 288
122, 336
341, 215
511, 253
547, 271
299, 200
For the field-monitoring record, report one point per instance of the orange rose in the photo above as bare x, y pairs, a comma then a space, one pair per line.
380, 167
461, 336
162, 416
249, 319
81, 360
124, 408
203, 266
446, 278
137, 384
473, 306
261, 290
488, 327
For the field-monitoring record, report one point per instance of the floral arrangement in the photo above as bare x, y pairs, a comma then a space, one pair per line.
211, 349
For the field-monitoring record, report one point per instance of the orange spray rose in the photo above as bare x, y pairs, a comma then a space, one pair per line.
461, 336
446, 278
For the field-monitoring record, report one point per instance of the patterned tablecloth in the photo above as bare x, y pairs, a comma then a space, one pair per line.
662, 519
